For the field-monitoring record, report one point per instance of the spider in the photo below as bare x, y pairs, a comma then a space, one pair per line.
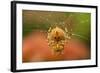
57, 38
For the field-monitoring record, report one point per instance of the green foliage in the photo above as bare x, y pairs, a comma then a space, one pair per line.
83, 26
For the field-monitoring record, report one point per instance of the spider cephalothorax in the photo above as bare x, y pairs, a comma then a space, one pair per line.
57, 38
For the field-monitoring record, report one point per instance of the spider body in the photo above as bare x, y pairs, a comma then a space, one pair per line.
57, 38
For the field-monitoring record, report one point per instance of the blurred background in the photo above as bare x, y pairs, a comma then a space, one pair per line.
35, 27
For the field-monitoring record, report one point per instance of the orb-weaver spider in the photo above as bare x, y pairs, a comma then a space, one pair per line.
57, 38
